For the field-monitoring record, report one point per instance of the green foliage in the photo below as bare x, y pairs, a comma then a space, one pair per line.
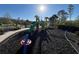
62, 16
70, 10
14, 22
1, 31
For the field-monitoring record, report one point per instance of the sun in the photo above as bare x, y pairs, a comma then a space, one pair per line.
42, 8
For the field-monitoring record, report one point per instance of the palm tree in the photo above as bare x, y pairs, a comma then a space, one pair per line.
46, 23
70, 10
37, 21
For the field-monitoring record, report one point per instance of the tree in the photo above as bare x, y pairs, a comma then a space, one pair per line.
7, 15
37, 21
7, 19
70, 10
76, 21
46, 21
18, 18
62, 15
27, 23
37, 18
53, 20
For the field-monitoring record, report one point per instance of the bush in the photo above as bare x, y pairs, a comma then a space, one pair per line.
68, 28
1, 31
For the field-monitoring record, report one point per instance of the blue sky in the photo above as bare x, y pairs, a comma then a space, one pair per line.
28, 11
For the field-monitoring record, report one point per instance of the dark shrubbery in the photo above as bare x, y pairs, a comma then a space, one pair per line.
1, 31
68, 28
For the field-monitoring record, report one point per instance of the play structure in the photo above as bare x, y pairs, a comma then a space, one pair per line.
37, 26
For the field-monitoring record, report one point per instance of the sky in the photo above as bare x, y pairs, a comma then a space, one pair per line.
28, 11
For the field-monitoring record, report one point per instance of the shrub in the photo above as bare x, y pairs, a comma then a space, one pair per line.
1, 31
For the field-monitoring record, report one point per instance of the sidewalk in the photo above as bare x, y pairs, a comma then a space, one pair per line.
7, 34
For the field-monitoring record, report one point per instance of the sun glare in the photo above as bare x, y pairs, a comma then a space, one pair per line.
42, 8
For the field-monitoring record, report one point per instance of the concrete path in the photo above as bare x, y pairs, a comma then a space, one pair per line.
7, 34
